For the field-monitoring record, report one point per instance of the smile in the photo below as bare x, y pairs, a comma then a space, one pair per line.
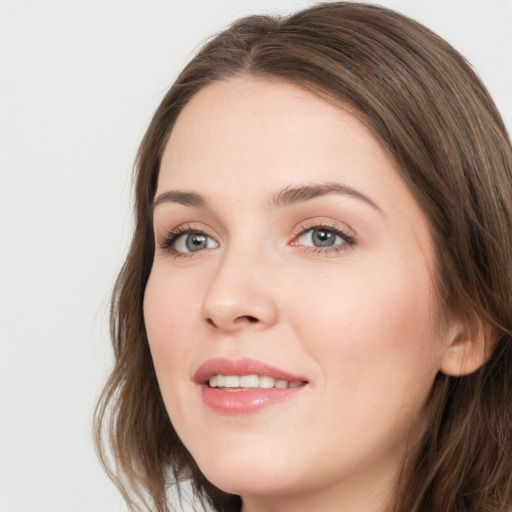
245, 386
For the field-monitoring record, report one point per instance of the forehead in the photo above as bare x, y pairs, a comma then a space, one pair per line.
272, 132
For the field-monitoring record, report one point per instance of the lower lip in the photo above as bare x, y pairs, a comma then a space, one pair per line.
245, 402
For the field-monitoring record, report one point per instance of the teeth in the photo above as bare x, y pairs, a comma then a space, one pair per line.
231, 381
250, 381
267, 382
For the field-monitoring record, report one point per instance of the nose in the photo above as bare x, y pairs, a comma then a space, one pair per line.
240, 295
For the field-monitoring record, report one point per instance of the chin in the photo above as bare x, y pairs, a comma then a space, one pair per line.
251, 475
250, 483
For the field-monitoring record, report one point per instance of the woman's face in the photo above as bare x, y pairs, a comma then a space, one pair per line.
290, 256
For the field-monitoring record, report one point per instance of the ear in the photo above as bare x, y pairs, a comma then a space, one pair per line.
470, 343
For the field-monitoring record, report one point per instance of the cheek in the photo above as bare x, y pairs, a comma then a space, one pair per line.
375, 352
373, 325
167, 315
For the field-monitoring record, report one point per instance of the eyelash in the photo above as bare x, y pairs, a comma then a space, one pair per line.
348, 240
167, 244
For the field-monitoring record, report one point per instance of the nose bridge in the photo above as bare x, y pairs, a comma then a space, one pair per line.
240, 292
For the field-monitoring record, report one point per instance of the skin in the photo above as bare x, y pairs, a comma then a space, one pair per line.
356, 320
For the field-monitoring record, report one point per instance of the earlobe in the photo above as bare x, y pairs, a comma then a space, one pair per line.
470, 344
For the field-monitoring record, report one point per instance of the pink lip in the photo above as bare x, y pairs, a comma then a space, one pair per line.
239, 367
243, 402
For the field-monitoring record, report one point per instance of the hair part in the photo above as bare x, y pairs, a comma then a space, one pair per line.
427, 107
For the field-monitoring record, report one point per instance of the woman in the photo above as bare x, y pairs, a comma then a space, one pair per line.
315, 310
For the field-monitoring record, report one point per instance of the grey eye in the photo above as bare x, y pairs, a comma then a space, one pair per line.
320, 237
323, 238
193, 242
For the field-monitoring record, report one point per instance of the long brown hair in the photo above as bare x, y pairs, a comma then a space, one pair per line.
428, 108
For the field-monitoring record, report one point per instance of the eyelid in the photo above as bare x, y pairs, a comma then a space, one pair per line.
329, 224
343, 231
165, 243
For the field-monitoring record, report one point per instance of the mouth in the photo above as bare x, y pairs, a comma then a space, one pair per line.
244, 386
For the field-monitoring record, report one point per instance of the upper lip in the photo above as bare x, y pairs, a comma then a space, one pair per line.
243, 366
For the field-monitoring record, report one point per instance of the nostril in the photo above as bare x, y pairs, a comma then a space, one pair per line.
235, 323
246, 319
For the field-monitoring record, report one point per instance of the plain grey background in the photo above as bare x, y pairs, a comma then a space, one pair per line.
79, 81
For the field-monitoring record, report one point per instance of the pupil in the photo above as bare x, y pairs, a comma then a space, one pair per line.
195, 242
323, 238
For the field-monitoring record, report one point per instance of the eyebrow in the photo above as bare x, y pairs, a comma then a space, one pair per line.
286, 197
292, 195
184, 198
